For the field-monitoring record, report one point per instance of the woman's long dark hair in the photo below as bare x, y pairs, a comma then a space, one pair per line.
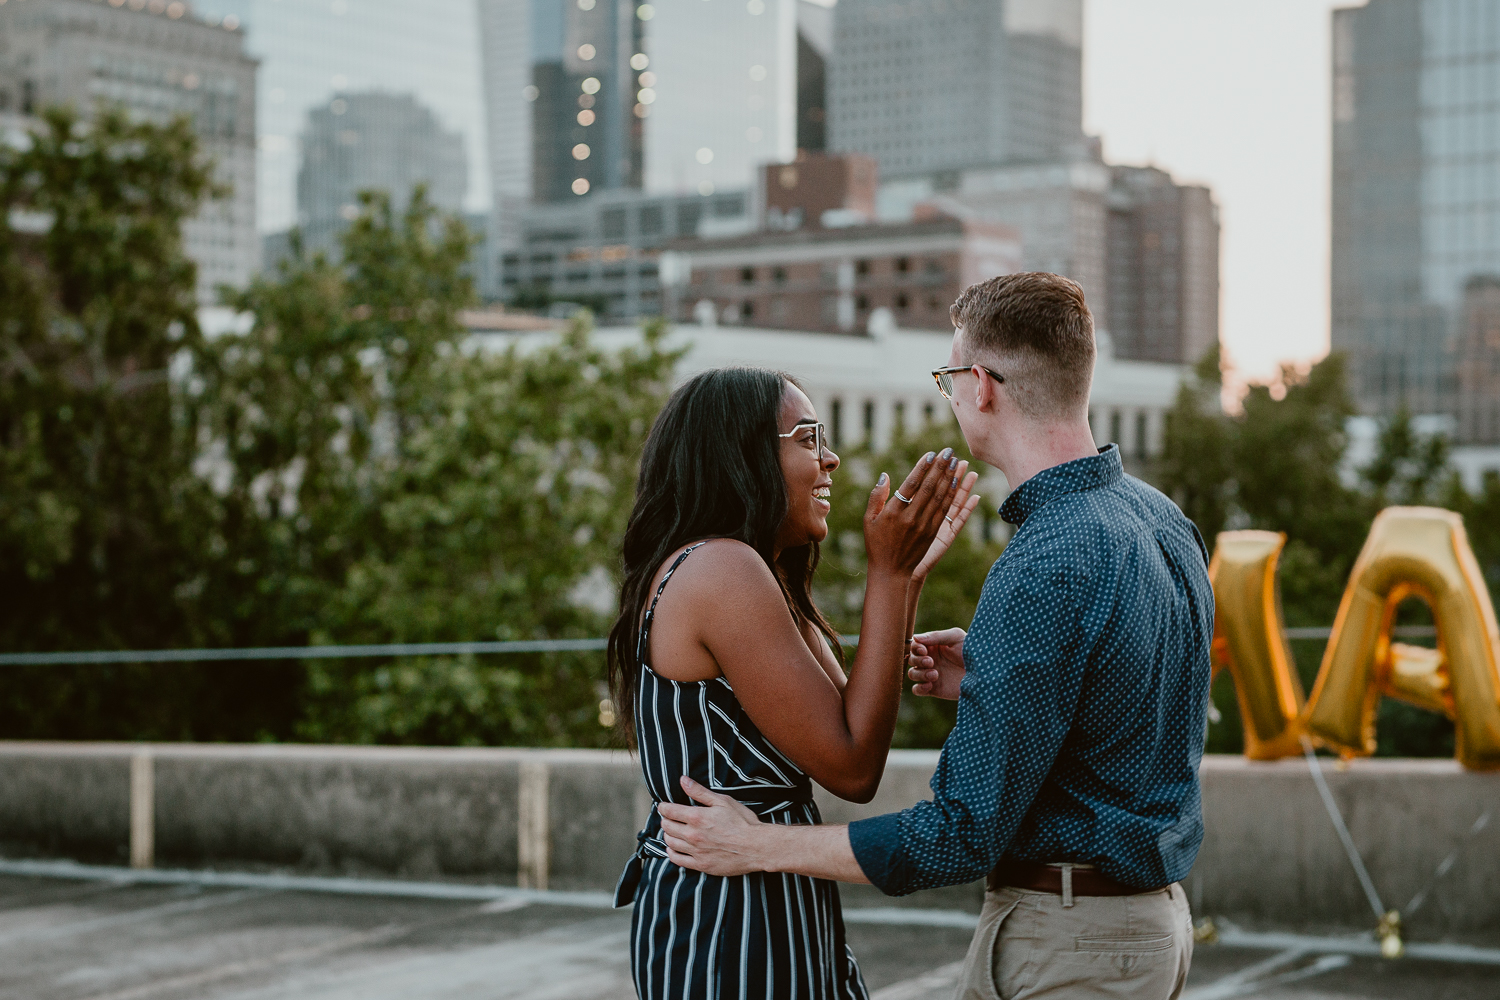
711, 468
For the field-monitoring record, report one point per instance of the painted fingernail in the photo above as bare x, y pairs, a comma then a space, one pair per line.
955, 482
881, 480
928, 458
953, 462
946, 453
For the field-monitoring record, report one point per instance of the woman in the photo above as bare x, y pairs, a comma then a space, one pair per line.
730, 676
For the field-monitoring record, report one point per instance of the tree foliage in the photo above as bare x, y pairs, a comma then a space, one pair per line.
1281, 464
351, 468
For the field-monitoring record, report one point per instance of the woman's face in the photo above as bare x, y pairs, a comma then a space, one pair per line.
808, 474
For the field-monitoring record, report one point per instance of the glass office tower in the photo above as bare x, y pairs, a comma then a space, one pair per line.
561, 96
1416, 206
312, 50
931, 85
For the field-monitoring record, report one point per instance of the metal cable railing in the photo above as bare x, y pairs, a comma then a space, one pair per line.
432, 649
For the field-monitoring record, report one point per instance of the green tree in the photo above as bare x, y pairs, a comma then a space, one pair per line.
99, 511
1278, 465
1194, 467
386, 480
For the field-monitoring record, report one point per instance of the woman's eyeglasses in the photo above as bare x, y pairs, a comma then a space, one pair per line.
816, 437
944, 377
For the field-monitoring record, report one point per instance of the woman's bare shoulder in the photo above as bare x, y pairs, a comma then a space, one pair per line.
718, 563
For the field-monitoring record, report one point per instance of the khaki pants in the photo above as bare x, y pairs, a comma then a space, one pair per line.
1029, 945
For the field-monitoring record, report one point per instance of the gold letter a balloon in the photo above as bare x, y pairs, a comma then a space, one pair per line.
1411, 551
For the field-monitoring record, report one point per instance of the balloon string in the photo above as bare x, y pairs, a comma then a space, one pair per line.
1343, 831
1447, 864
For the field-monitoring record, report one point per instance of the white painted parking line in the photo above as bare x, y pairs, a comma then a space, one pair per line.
938, 984
305, 883
580, 961
902, 916
1364, 946
145, 914
194, 981
1238, 982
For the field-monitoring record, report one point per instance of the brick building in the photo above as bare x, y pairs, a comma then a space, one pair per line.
833, 280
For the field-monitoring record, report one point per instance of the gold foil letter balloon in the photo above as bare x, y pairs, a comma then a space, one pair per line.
1249, 640
1422, 552
1411, 552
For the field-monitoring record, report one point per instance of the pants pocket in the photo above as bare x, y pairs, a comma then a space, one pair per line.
1135, 944
978, 979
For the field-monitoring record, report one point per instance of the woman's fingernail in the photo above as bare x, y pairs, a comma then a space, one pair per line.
946, 453
955, 482
953, 462
928, 458
881, 480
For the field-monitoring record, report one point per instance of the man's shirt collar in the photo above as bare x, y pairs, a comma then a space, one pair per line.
1080, 474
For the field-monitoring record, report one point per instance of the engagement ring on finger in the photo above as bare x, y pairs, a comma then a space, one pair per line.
902, 498
947, 518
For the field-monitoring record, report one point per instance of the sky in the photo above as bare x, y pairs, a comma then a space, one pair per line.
1235, 96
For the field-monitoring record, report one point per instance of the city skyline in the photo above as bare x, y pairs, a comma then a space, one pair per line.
1264, 149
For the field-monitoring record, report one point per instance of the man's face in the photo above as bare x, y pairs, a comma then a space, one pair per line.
962, 402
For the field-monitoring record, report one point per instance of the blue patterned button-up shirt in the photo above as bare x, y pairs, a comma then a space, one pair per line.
1081, 713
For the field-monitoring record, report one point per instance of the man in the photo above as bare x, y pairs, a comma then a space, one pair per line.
1071, 776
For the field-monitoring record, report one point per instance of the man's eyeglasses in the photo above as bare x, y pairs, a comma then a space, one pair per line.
813, 436
944, 377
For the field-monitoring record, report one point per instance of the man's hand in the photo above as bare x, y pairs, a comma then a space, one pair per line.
719, 836
936, 662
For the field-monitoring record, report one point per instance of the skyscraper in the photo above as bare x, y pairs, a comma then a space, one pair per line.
1162, 267
158, 61
930, 85
310, 50
560, 95
673, 97
1416, 202
386, 142
725, 92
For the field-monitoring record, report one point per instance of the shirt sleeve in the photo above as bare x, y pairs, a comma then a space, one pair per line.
1024, 663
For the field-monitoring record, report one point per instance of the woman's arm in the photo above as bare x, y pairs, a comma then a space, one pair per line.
839, 738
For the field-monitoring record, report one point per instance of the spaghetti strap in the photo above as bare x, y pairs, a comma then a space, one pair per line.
640, 644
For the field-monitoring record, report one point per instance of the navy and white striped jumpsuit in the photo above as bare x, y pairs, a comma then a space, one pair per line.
763, 935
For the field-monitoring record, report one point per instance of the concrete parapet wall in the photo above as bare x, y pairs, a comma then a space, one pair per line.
566, 819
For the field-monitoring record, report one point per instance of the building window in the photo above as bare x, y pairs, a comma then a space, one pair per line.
836, 422
1115, 422
778, 275
903, 264
902, 301
613, 223
1140, 435
651, 220
870, 422
861, 302
900, 414
747, 310
747, 275
862, 268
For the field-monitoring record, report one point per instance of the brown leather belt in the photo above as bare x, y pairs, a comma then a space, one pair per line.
1049, 878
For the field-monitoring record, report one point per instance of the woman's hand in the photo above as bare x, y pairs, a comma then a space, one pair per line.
958, 515
899, 530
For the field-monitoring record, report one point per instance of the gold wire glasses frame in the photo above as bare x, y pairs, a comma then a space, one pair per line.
944, 377
820, 437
